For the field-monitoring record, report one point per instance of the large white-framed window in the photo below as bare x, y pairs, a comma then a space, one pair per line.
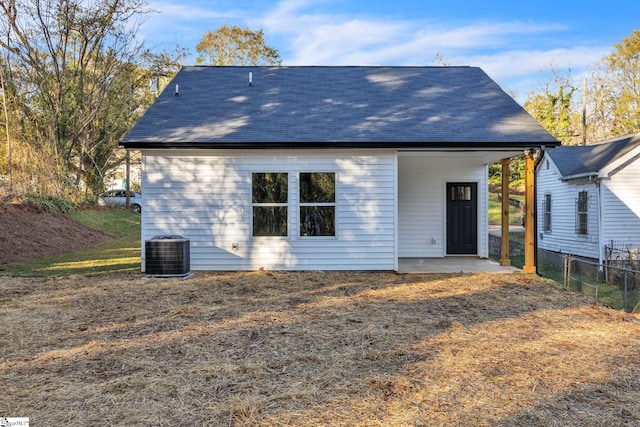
317, 198
270, 204
582, 213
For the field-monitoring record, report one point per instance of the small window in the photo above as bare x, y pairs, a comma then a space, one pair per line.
582, 208
460, 192
318, 204
547, 212
270, 197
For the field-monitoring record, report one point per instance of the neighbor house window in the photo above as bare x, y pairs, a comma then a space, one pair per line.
547, 212
317, 204
270, 203
582, 207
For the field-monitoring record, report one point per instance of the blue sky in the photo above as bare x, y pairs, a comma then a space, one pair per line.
515, 42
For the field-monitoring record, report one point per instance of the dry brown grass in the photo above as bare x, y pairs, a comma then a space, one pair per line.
310, 349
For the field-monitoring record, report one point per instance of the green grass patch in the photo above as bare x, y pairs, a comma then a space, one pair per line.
610, 295
518, 197
121, 255
550, 271
116, 222
495, 211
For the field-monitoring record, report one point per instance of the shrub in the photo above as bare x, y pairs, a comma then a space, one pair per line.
52, 204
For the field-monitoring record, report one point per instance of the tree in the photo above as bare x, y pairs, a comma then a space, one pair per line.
236, 46
614, 95
77, 83
5, 113
554, 109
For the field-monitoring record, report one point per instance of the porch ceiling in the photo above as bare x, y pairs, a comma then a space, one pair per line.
483, 157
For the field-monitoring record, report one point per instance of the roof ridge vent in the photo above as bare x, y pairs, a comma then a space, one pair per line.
250, 79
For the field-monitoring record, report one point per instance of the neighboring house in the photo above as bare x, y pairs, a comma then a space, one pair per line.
117, 178
326, 168
589, 196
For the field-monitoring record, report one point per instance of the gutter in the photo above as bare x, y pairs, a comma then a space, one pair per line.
580, 175
400, 145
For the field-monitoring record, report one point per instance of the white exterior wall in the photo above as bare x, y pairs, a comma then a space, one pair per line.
422, 179
205, 196
563, 237
621, 205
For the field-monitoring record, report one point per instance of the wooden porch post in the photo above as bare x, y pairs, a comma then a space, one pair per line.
529, 221
504, 221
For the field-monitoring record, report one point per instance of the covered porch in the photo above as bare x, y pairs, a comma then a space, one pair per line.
432, 217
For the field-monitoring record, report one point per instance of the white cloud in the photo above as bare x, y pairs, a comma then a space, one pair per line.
335, 39
514, 63
307, 32
180, 24
514, 53
526, 71
172, 11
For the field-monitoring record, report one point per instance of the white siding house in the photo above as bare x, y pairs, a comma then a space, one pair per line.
206, 195
589, 196
325, 168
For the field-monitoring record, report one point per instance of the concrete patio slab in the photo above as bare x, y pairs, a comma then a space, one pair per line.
452, 265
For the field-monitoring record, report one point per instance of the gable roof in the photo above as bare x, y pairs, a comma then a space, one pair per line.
584, 160
327, 107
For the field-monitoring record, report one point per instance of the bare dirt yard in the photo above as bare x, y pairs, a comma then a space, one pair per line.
314, 349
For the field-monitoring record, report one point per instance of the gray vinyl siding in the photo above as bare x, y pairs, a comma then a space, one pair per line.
621, 205
205, 196
563, 237
422, 179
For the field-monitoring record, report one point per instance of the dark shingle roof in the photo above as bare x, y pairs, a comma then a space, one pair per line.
335, 107
590, 159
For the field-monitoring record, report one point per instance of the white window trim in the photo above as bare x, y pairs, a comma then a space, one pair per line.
585, 213
287, 205
300, 205
549, 228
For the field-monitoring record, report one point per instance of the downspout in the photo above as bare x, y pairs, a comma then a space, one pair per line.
535, 212
505, 252
396, 249
600, 223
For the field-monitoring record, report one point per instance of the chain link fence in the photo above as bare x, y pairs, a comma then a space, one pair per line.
609, 284
622, 254
615, 283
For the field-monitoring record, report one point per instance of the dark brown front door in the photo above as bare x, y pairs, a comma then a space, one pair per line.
462, 218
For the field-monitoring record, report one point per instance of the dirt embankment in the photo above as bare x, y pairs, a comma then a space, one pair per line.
27, 232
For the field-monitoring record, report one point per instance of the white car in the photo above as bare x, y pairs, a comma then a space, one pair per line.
119, 198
